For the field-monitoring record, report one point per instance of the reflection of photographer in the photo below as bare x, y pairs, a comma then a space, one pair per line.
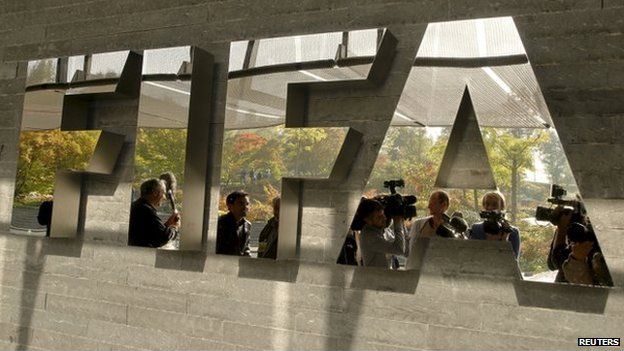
494, 225
585, 263
396, 204
574, 250
376, 238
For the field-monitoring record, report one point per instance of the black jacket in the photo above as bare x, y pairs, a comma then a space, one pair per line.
146, 228
228, 240
44, 217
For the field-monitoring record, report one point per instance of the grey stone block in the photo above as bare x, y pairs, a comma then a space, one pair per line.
92, 309
12, 296
565, 297
142, 338
209, 263
207, 344
581, 47
40, 319
8, 70
471, 289
14, 334
25, 35
270, 270
585, 103
616, 269
86, 269
295, 295
584, 129
11, 87
466, 9
275, 339
413, 309
373, 278
461, 339
131, 256
323, 274
9, 118
613, 4
59, 341
176, 323
165, 300
5, 345
148, 20
362, 327
470, 257
181, 281
615, 303
598, 75
557, 24
280, 315
355, 344
547, 323
62, 285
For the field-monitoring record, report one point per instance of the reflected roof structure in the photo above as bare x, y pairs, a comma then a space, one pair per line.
485, 54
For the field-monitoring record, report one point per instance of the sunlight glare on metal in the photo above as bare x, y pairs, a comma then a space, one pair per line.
254, 113
497, 79
169, 88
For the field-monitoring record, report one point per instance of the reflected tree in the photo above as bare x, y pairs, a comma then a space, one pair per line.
511, 153
43, 152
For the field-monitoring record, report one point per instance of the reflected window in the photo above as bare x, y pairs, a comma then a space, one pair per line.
486, 56
258, 151
41, 72
158, 188
106, 65
42, 153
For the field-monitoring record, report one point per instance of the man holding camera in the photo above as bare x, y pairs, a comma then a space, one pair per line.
495, 228
376, 239
574, 251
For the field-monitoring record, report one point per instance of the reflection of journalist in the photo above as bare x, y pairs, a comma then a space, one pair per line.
495, 201
376, 239
428, 226
574, 251
146, 228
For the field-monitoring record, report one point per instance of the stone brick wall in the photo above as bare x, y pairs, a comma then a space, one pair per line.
94, 294
57, 294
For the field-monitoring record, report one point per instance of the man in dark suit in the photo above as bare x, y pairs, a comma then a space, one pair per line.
146, 228
233, 229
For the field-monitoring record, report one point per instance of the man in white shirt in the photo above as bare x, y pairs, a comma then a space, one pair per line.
426, 227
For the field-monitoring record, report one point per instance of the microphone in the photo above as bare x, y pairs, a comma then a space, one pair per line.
171, 185
459, 223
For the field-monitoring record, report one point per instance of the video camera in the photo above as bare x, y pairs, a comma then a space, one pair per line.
494, 222
563, 207
395, 204
454, 226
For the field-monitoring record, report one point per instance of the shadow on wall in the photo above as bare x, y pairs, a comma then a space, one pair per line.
28, 279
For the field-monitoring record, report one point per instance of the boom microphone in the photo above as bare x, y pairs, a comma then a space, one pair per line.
171, 185
458, 222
